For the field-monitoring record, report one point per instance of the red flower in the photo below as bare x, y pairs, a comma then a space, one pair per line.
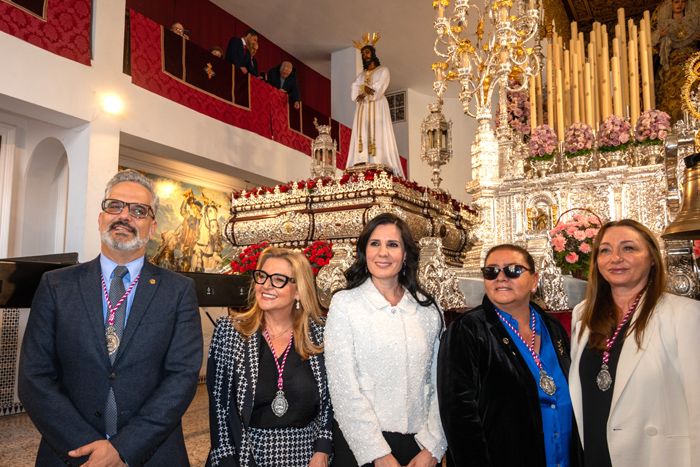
248, 259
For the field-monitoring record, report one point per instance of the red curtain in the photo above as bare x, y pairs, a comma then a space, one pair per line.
65, 31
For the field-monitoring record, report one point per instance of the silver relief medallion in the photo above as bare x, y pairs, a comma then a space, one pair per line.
604, 379
279, 404
547, 383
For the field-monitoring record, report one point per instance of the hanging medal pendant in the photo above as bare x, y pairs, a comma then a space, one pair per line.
547, 383
604, 379
279, 404
112, 340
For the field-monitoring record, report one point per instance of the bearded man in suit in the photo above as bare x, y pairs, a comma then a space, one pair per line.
111, 355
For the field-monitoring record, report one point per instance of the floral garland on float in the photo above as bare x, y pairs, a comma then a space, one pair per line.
319, 254
650, 132
579, 141
572, 243
542, 146
248, 258
614, 139
371, 177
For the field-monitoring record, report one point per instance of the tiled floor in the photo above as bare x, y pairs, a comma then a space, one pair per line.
19, 439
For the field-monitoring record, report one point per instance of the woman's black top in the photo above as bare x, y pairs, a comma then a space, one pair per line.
300, 390
596, 403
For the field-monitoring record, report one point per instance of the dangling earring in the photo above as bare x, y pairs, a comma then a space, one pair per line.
297, 305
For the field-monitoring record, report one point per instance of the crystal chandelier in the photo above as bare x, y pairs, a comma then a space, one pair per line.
482, 60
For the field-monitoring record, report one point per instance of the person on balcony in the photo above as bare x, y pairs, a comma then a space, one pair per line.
239, 50
284, 78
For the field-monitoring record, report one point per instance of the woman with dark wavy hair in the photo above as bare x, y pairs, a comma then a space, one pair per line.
381, 345
635, 372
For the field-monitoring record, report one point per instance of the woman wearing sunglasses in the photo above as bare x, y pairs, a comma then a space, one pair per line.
504, 399
269, 404
382, 337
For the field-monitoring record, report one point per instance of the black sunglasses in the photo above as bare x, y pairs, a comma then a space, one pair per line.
512, 271
277, 281
138, 210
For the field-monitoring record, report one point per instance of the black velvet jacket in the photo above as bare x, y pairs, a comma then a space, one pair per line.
489, 403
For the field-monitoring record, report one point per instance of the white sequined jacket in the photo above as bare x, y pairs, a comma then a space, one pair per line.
381, 362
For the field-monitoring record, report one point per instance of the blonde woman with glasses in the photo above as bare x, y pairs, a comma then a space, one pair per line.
268, 395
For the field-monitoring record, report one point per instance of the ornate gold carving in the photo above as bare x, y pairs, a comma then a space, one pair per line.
690, 88
331, 277
337, 212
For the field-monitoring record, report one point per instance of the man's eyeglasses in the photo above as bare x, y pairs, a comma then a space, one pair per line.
512, 271
277, 281
137, 210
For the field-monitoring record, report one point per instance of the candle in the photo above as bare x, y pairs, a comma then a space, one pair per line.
623, 60
606, 105
550, 86
576, 107
533, 101
593, 58
644, 65
634, 79
557, 51
540, 103
581, 61
617, 87
650, 60
440, 8
560, 106
587, 93
566, 76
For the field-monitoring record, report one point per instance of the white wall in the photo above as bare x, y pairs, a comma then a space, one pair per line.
345, 66
401, 134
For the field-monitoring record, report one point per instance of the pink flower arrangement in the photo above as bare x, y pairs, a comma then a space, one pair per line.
248, 259
614, 134
572, 244
571, 258
543, 143
578, 140
518, 107
319, 253
652, 127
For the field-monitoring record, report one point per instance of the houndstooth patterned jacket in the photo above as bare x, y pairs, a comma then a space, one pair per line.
232, 374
